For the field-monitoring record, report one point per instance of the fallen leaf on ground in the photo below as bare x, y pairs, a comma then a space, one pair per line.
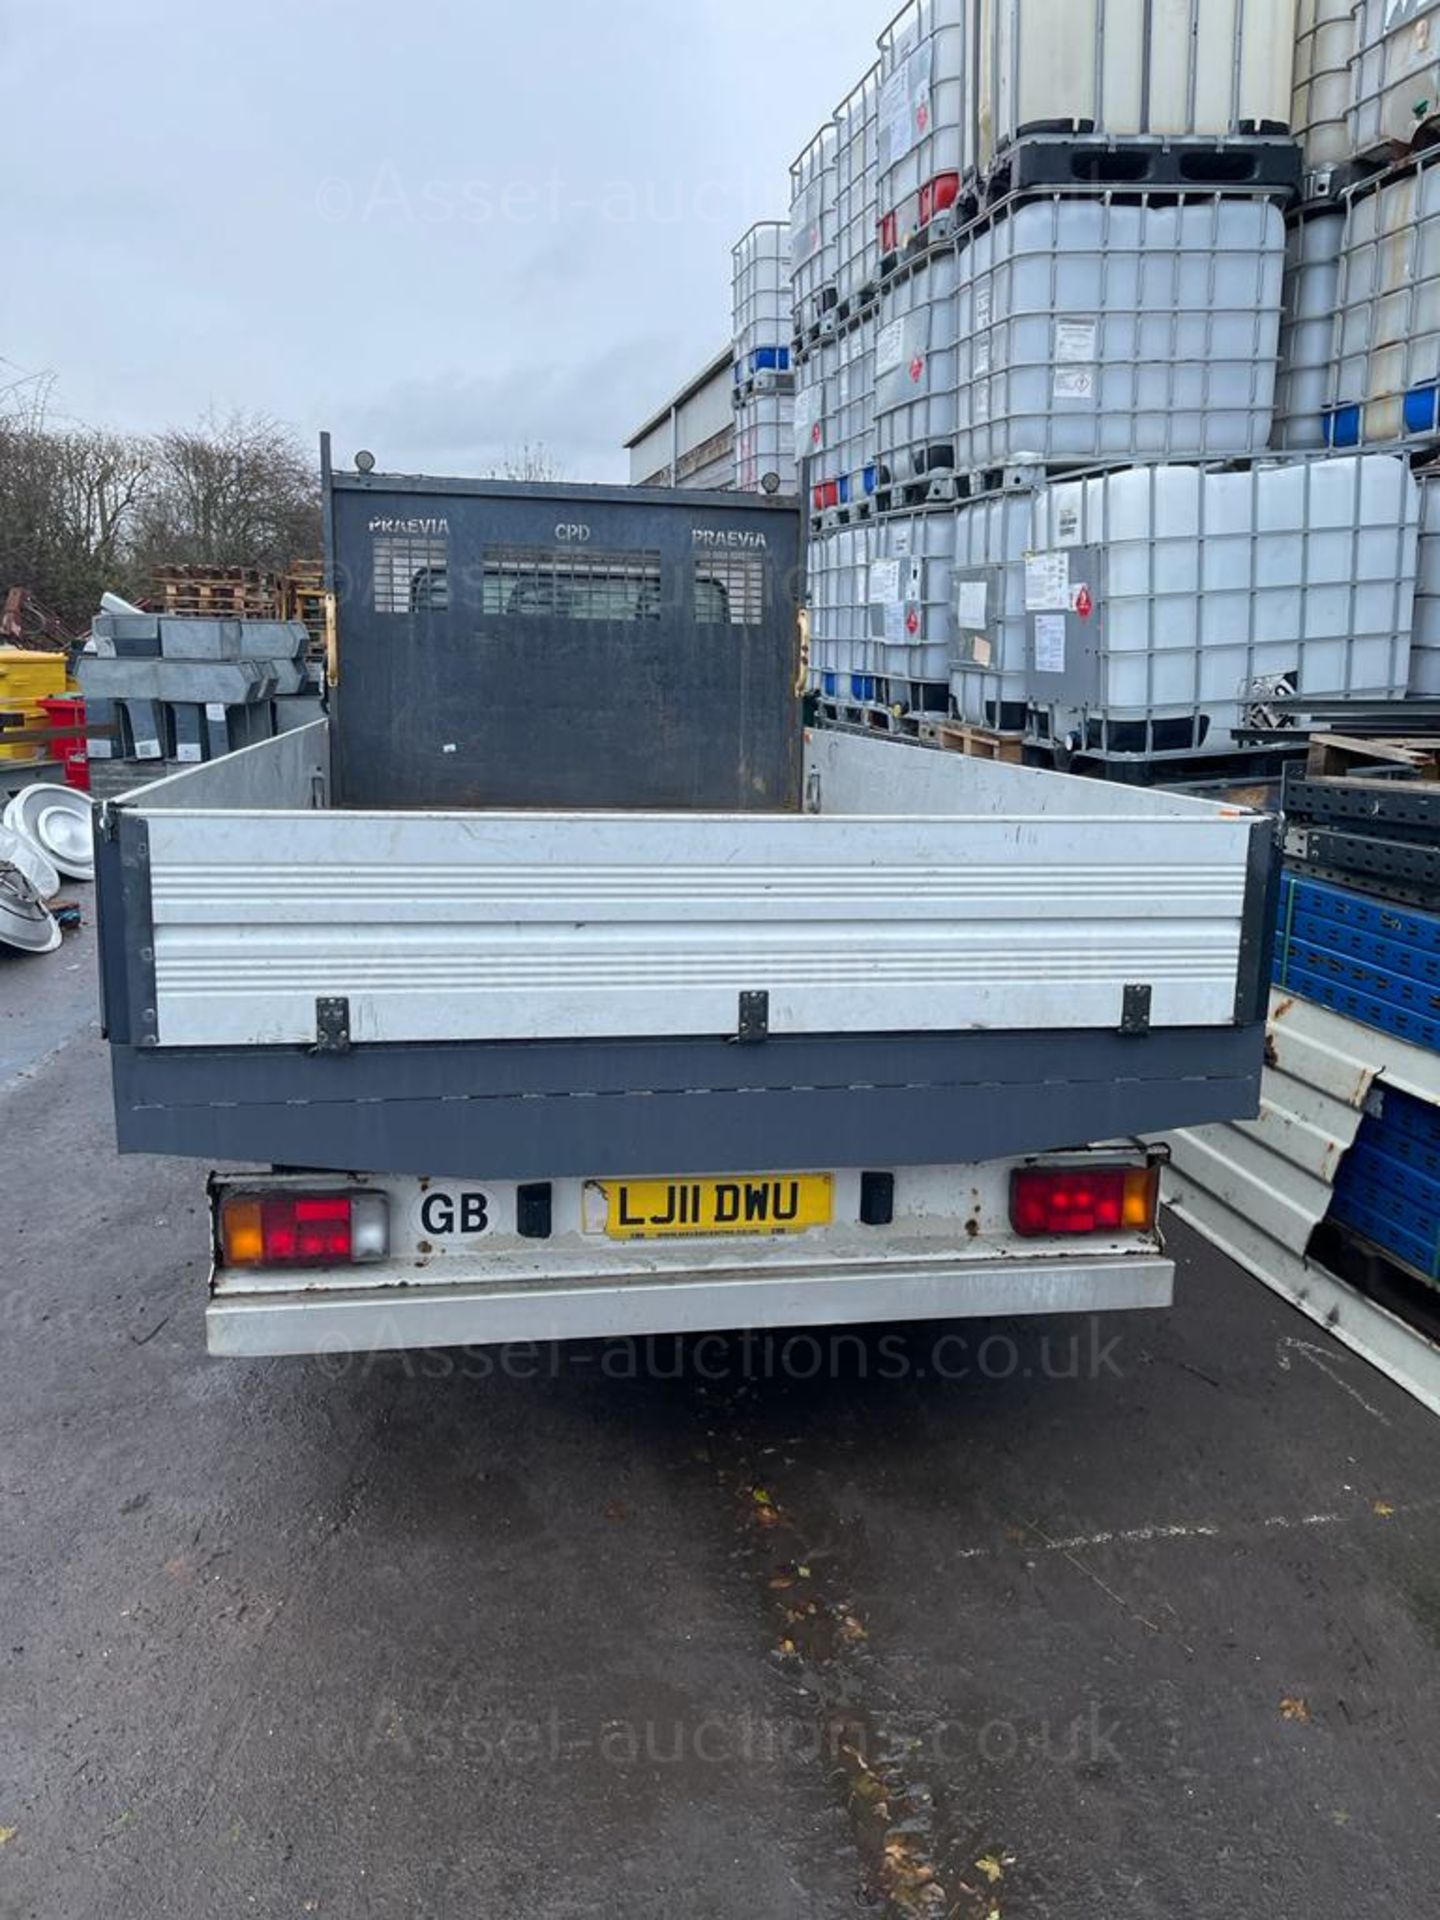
7, 1834
993, 1865
1384, 1509
1295, 1710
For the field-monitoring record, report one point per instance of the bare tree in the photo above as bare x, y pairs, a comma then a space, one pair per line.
233, 491
529, 462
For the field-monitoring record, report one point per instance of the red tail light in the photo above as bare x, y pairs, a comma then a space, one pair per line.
303, 1229
1079, 1200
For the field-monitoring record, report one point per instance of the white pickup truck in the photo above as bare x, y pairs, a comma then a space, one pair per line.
516, 1073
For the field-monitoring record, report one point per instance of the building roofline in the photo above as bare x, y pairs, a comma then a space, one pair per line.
712, 368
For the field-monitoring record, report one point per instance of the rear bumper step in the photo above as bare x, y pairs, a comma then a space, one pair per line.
326, 1317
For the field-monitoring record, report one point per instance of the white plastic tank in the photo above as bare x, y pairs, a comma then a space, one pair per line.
765, 443
857, 126
1131, 67
760, 300
1320, 116
1387, 326
917, 371
1119, 328
814, 238
1425, 637
854, 449
1395, 93
1313, 240
911, 608
988, 677
843, 658
808, 423
1167, 604
927, 131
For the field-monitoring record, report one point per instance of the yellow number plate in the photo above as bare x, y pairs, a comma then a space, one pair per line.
744, 1203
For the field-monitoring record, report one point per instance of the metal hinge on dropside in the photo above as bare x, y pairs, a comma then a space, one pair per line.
754, 1022
1135, 1011
332, 1025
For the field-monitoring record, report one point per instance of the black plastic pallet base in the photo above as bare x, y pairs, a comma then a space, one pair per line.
1268, 165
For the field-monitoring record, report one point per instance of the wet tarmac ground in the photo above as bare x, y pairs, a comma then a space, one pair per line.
1124, 1618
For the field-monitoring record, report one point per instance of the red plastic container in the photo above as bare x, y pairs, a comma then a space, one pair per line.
68, 710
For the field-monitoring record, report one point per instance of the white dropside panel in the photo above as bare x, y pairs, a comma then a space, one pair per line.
521, 926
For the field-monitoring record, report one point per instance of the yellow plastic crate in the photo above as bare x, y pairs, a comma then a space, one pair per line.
25, 680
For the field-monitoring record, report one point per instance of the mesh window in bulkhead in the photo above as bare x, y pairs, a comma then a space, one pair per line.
571, 583
730, 590
411, 573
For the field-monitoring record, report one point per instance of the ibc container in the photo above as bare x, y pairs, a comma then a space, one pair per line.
917, 355
1165, 605
808, 424
813, 236
1387, 321
1320, 112
1130, 67
928, 136
760, 304
1425, 637
857, 123
910, 595
1313, 240
1395, 75
854, 414
1119, 328
765, 442
988, 679
843, 657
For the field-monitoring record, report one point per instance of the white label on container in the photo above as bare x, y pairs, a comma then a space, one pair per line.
1049, 643
1074, 342
978, 650
895, 118
889, 347
147, 749
1067, 523
895, 624
214, 710
984, 305
900, 540
1047, 582
1074, 383
971, 603
884, 582
913, 585
980, 403
981, 355
187, 750
842, 387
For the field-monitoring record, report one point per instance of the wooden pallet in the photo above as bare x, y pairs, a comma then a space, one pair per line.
302, 598
976, 743
1336, 756
218, 593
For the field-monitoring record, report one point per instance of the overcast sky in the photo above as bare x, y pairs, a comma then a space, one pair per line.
438, 227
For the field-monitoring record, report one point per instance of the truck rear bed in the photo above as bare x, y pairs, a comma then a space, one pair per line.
941, 960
